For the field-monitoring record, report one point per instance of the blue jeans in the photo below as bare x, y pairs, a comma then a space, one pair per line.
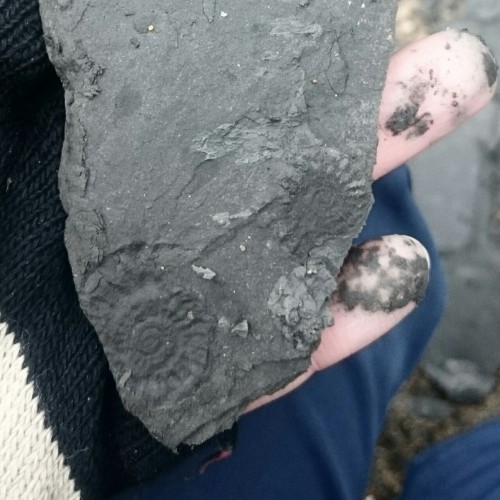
318, 442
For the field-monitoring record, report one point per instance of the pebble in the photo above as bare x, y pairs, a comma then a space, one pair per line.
461, 380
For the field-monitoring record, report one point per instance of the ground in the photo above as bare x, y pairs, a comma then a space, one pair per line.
407, 432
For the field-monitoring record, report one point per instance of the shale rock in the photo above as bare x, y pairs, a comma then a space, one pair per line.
216, 166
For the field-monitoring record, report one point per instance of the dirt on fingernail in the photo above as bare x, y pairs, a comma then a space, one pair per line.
490, 68
374, 283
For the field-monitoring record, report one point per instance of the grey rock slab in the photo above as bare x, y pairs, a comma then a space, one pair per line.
470, 327
216, 166
446, 184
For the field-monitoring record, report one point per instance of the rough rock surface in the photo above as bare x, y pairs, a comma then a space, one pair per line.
216, 166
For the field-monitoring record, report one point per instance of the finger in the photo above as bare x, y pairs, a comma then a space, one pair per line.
381, 282
432, 86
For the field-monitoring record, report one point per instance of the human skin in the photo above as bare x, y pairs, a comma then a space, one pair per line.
442, 80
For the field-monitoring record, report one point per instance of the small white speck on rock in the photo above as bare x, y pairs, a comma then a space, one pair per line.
203, 272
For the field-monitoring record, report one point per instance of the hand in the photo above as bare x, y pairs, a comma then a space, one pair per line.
432, 86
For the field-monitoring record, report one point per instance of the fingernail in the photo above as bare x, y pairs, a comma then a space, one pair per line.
485, 62
433, 85
384, 274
